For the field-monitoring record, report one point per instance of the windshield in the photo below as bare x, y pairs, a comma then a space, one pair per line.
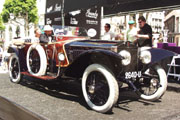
69, 31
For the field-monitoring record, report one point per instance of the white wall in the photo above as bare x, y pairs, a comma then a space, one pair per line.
41, 5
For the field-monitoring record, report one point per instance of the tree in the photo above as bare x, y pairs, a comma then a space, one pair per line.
2, 27
25, 9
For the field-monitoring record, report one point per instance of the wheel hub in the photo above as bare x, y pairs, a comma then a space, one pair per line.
154, 82
30, 61
91, 89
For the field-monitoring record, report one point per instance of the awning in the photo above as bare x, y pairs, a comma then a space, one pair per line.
143, 5
71, 5
111, 6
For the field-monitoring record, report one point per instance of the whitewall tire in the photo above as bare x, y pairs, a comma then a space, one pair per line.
42, 62
100, 88
162, 81
14, 69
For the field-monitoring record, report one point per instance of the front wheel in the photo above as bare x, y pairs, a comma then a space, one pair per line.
154, 83
100, 88
14, 69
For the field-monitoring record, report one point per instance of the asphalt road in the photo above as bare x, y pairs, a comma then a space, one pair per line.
55, 100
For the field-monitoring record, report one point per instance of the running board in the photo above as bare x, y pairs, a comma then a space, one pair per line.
44, 77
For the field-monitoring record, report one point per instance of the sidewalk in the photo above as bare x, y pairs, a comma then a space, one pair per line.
3, 69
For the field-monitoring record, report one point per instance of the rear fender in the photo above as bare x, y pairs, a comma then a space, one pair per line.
13, 50
20, 55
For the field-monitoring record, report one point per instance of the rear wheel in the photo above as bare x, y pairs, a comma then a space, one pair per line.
14, 69
100, 88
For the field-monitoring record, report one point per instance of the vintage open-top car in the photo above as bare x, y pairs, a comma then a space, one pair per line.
102, 66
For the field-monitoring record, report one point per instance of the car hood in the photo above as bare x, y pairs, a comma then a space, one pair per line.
93, 43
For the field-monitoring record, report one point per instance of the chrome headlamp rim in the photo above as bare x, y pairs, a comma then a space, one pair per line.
126, 57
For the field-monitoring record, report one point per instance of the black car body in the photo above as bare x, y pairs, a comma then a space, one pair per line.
102, 66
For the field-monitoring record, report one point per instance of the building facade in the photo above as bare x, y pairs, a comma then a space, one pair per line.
155, 19
41, 5
14, 29
172, 23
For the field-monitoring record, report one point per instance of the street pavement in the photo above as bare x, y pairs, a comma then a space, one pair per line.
63, 100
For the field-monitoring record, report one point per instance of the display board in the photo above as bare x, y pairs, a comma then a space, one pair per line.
86, 18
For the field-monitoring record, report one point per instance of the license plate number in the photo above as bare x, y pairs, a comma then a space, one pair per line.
130, 75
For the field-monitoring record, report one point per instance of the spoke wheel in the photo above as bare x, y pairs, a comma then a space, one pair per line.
100, 88
14, 69
34, 61
97, 88
153, 84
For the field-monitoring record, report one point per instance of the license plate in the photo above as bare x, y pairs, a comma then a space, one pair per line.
134, 74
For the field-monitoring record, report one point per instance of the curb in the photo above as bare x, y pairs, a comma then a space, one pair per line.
10, 110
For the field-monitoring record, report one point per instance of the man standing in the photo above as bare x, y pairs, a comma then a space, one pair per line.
108, 35
144, 36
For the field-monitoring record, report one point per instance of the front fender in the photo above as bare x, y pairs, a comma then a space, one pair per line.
160, 57
107, 58
102, 53
160, 54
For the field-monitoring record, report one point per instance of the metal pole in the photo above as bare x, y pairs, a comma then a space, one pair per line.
62, 14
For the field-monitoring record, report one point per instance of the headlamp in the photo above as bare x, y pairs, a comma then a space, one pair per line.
145, 57
126, 57
61, 57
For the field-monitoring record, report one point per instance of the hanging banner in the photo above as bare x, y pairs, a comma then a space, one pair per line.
53, 6
86, 18
53, 18
53, 12
89, 19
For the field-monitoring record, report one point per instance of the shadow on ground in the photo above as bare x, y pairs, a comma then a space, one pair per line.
63, 89
71, 90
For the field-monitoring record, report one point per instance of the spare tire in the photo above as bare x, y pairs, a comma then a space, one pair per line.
36, 60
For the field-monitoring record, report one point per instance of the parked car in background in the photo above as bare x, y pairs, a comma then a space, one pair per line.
101, 65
